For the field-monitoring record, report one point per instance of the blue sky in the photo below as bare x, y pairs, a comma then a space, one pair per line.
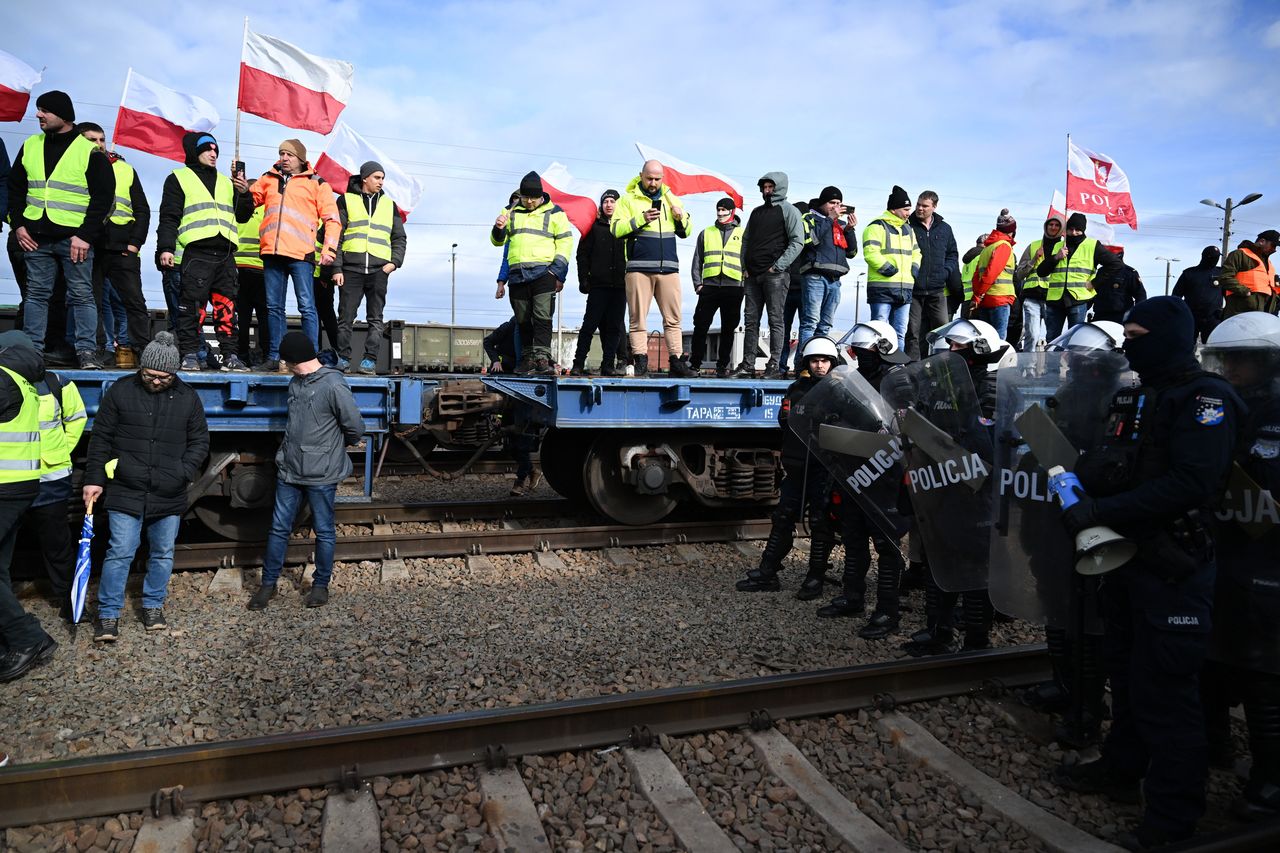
971, 99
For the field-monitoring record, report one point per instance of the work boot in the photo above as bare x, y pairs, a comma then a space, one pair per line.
578, 368
771, 371
126, 358
678, 367
743, 371
842, 606
88, 360
811, 587
1097, 777
879, 626
525, 367
262, 597
641, 364
318, 597
607, 368
759, 580
931, 641
542, 367
722, 373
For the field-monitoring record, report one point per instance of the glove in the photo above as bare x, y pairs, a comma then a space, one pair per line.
915, 270
887, 269
1080, 515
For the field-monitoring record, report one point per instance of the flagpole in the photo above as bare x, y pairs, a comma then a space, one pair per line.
243, 40
1066, 190
123, 95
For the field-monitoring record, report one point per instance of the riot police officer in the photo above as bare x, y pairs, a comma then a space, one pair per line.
1244, 661
1162, 462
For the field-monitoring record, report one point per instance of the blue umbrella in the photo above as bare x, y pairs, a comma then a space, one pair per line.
84, 564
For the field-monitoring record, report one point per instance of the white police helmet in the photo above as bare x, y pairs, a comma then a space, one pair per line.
1250, 330
876, 335
1097, 336
820, 345
978, 334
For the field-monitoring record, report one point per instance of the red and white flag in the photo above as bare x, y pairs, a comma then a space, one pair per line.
687, 179
153, 118
347, 151
1095, 184
16, 80
285, 84
578, 199
1099, 229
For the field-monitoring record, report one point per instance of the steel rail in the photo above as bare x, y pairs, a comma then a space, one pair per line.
386, 511
113, 784
211, 555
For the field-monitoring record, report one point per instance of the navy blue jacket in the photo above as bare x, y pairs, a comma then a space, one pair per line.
821, 255
939, 258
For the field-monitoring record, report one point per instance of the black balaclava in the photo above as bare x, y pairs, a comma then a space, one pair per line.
1078, 223
1168, 347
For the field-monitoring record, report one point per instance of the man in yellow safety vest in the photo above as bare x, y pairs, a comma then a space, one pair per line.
717, 279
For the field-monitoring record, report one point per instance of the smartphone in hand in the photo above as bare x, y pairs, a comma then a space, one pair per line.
237, 168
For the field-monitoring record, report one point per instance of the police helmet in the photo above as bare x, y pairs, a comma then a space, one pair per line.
820, 345
979, 335
1250, 330
876, 335
1097, 336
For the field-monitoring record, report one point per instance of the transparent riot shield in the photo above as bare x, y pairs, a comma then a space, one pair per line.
1032, 560
848, 428
948, 465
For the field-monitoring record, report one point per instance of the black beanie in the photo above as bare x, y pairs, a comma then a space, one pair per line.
58, 103
1077, 222
369, 167
829, 194
726, 203
195, 143
296, 348
531, 186
609, 194
898, 198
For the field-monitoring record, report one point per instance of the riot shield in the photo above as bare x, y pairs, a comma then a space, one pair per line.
948, 462
1032, 559
847, 427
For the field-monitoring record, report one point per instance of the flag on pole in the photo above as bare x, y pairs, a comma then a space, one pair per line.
16, 80
578, 199
1098, 228
687, 179
153, 118
347, 151
1095, 184
285, 84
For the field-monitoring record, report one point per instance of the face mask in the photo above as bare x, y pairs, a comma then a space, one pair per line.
1144, 353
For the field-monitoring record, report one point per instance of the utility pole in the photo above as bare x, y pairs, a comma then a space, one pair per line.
857, 302
453, 299
1226, 216
1168, 265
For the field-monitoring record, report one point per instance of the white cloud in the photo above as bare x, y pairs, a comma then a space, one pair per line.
1271, 37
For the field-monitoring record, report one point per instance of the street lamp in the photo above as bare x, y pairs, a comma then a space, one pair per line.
1168, 263
1226, 220
453, 298
857, 305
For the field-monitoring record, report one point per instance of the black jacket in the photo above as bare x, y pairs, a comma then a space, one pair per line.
160, 441
362, 262
118, 238
173, 199
795, 455
1118, 291
102, 187
939, 258
602, 260
1198, 287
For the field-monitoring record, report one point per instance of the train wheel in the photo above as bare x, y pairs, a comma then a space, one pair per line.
240, 524
563, 454
612, 497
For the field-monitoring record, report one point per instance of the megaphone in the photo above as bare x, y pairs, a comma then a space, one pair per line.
1098, 549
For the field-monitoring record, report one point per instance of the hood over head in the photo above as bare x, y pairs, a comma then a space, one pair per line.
780, 185
19, 355
195, 143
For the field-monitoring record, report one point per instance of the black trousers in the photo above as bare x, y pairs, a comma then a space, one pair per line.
18, 628
728, 301
605, 313
207, 277
251, 301
57, 546
124, 271
322, 289
371, 288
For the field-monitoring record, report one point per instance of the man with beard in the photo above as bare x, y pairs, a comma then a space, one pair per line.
1070, 272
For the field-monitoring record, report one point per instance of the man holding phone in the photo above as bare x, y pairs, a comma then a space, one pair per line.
829, 245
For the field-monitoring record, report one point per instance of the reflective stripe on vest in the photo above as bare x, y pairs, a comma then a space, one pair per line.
1033, 281
362, 236
531, 238
1004, 282
248, 247
55, 450
720, 258
898, 248
1260, 279
122, 209
966, 276
64, 195
1074, 273
20, 437
204, 215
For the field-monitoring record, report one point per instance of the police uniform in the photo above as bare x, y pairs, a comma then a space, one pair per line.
1161, 464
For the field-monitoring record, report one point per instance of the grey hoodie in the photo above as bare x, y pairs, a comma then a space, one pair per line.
323, 421
791, 221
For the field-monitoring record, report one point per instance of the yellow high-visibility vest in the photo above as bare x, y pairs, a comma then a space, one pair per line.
722, 257
64, 195
20, 437
205, 215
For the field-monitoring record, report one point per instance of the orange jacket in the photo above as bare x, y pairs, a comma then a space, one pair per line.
984, 279
292, 207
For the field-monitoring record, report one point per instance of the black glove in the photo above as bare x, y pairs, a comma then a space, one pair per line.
1081, 514
887, 269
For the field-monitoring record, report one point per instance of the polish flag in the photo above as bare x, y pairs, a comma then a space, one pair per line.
16, 80
285, 84
578, 199
347, 151
1095, 184
153, 118
687, 179
1098, 228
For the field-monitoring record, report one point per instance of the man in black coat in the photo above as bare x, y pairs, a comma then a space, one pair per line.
1118, 290
1198, 287
602, 266
149, 439
939, 272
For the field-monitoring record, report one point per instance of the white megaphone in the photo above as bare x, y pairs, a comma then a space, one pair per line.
1098, 549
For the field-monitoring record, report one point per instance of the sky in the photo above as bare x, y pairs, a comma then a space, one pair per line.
973, 100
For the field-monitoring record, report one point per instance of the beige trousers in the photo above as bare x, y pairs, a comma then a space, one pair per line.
642, 289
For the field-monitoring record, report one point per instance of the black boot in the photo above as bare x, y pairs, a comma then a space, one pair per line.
776, 548
842, 606
914, 577
759, 580
678, 367
607, 368
879, 626
938, 636
641, 364
578, 369
811, 587
821, 544
977, 620
1051, 697
937, 640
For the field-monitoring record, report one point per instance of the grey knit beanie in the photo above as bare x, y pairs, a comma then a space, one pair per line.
161, 354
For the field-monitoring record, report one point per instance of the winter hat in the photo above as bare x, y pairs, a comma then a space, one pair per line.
898, 198
369, 168
1077, 222
1270, 235
58, 103
296, 348
726, 203
196, 143
828, 194
981, 241
1209, 255
161, 354
802, 206
1005, 223
531, 186
609, 194
294, 147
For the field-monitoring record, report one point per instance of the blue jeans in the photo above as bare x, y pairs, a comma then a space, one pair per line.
997, 316
42, 269
897, 315
126, 532
288, 496
1055, 314
114, 320
819, 297
276, 271
1032, 324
